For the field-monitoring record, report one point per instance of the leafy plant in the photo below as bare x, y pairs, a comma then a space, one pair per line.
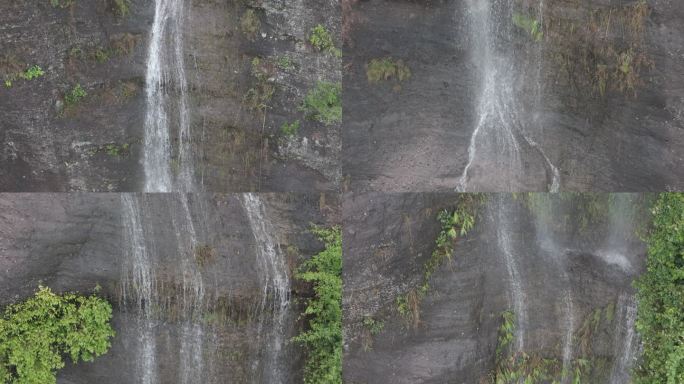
32, 73
122, 7
324, 103
322, 40
76, 94
290, 129
262, 92
387, 68
660, 293
117, 150
285, 63
36, 335
323, 339
373, 326
250, 24
454, 224
531, 25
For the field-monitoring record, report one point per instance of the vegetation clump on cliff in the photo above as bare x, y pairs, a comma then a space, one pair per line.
386, 69
323, 339
455, 224
660, 293
36, 335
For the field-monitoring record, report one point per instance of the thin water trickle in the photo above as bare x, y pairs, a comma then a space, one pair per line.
273, 274
494, 144
626, 347
139, 287
166, 73
504, 229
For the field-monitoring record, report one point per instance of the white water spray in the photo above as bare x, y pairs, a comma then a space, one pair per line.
165, 73
274, 280
139, 286
517, 294
626, 347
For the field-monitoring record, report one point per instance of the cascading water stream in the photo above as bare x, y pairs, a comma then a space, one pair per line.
549, 245
139, 287
494, 141
165, 73
275, 282
626, 347
501, 219
621, 220
192, 331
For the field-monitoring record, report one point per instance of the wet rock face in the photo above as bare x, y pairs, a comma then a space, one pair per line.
75, 242
564, 252
598, 94
96, 144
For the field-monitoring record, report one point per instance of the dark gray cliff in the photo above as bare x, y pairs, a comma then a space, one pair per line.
75, 242
596, 94
563, 264
96, 144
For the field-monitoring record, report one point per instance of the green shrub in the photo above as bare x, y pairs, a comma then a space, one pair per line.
37, 334
250, 24
322, 40
75, 95
290, 129
32, 73
323, 339
529, 24
324, 103
387, 68
660, 293
122, 7
373, 326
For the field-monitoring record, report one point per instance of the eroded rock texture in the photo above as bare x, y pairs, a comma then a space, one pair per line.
96, 144
563, 264
207, 312
569, 95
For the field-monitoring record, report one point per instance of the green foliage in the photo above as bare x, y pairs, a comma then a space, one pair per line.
454, 224
387, 68
660, 293
322, 40
32, 73
62, 3
290, 129
75, 95
323, 339
258, 97
324, 103
117, 150
101, 55
250, 24
122, 8
373, 326
286, 63
530, 25
36, 335
519, 367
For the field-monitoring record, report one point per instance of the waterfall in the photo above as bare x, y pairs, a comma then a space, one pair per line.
139, 286
192, 331
622, 213
626, 347
504, 228
274, 280
141, 289
495, 139
166, 72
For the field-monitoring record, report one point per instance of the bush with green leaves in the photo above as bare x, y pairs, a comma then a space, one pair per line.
454, 225
386, 69
660, 293
531, 25
323, 338
290, 129
322, 40
76, 94
37, 334
324, 103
